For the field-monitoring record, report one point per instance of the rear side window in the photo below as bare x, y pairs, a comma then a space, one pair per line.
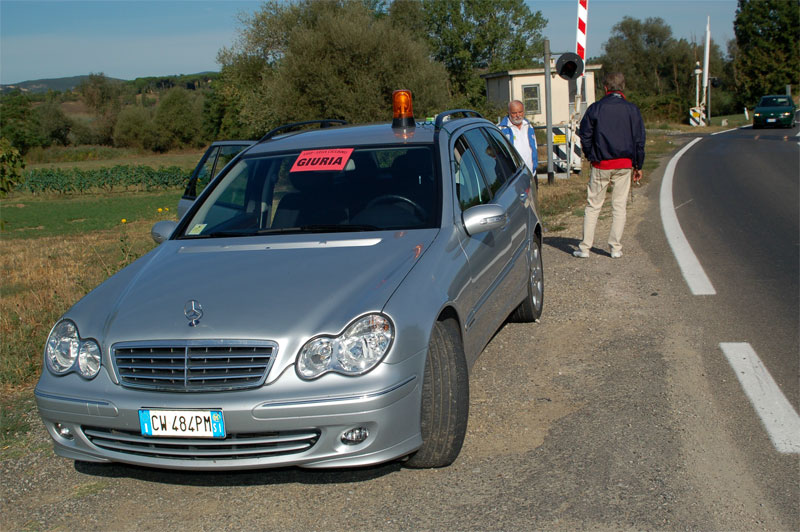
509, 158
486, 155
471, 188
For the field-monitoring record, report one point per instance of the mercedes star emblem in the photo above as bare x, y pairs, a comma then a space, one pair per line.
193, 311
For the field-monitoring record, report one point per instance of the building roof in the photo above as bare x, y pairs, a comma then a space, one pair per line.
531, 71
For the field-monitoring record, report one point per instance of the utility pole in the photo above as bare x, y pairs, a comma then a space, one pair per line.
548, 113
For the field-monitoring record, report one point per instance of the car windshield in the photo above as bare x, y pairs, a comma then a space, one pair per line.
322, 190
774, 101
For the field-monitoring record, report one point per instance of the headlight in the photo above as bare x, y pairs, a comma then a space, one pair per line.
65, 351
357, 350
787, 114
757, 114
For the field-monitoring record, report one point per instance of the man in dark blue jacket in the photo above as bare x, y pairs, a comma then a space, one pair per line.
612, 138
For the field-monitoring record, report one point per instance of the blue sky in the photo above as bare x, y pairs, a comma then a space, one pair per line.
129, 39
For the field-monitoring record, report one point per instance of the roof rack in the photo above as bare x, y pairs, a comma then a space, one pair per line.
468, 113
322, 123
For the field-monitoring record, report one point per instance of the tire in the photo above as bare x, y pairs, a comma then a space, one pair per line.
531, 307
445, 399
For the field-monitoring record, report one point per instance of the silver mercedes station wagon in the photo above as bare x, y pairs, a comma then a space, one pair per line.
319, 305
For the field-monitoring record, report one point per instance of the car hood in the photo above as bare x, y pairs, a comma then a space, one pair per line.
271, 288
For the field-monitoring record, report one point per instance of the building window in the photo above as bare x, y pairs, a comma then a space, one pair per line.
530, 99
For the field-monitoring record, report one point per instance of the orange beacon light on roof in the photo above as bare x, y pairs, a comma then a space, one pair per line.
402, 109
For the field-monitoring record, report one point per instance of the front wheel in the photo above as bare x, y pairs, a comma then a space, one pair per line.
531, 307
445, 399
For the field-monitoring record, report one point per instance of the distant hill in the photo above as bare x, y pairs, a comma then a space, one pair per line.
66, 84
44, 85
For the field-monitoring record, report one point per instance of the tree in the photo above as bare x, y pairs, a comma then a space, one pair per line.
178, 119
134, 128
18, 122
311, 59
11, 166
469, 36
54, 125
100, 94
658, 68
768, 48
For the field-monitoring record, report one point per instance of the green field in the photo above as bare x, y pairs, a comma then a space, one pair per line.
31, 217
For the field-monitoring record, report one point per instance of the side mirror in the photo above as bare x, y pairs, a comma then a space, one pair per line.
162, 230
482, 218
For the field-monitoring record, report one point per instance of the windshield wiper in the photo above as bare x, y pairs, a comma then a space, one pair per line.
316, 228
320, 228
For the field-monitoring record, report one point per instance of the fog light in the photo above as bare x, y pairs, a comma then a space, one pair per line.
355, 436
64, 431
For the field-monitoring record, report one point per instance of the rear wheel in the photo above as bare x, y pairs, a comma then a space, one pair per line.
531, 308
445, 399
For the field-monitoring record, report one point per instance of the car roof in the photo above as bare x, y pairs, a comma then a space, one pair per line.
233, 142
357, 135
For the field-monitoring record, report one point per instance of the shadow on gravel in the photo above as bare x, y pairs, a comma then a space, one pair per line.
252, 477
568, 245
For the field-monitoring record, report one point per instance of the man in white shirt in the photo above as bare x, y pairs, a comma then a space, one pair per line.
519, 131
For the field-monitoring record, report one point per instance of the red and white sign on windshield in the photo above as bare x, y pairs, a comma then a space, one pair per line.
315, 160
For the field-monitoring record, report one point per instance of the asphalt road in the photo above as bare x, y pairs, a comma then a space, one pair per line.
737, 199
616, 411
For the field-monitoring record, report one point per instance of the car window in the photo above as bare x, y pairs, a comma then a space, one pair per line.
774, 101
226, 154
505, 155
471, 188
486, 155
205, 172
337, 189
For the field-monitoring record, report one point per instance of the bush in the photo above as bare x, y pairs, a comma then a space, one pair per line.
134, 128
11, 165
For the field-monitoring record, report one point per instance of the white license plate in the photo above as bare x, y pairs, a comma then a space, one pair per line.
182, 423
771, 119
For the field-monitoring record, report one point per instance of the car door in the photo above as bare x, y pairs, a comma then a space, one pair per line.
488, 253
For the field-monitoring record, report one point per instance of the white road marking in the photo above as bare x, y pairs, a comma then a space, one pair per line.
721, 132
693, 272
776, 413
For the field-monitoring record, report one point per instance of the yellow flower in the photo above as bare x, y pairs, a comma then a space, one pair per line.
160, 209
124, 220
166, 209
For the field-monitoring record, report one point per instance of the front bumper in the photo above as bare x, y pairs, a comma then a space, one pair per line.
772, 121
290, 422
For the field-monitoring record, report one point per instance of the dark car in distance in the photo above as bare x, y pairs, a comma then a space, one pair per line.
774, 110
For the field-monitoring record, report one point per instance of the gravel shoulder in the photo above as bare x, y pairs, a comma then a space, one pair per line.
600, 416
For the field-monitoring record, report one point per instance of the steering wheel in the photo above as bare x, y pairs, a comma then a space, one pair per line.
392, 198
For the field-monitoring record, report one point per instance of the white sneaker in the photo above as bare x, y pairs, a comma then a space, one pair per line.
616, 254
580, 254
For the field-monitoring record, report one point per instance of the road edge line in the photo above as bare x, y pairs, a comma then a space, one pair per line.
692, 271
777, 415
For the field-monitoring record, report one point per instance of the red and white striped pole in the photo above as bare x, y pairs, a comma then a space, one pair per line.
583, 15
580, 96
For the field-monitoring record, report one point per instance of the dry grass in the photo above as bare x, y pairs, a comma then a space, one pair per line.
43, 277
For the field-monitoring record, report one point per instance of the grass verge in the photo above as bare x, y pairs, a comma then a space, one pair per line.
26, 216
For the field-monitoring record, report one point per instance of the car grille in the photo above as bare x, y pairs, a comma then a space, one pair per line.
193, 366
234, 446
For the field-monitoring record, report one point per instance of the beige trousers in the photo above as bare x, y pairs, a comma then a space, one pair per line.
596, 195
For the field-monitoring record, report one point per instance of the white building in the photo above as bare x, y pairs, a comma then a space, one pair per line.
528, 87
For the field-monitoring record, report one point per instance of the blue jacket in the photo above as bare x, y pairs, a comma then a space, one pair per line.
612, 128
505, 128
